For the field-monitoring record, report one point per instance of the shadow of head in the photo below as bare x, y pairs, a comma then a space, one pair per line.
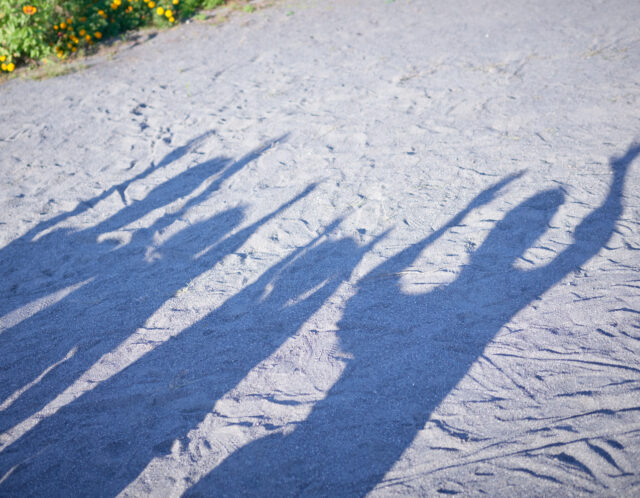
519, 229
316, 269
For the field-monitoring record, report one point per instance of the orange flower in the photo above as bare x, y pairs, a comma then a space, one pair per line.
97, 34
29, 10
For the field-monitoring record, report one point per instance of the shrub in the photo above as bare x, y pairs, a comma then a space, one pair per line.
31, 29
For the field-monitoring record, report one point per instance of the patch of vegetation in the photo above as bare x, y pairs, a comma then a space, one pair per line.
31, 30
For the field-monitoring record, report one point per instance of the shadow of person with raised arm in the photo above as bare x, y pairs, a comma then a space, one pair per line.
121, 286
43, 261
409, 352
40, 254
116, 429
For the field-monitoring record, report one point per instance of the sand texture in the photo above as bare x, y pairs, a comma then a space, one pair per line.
329, 248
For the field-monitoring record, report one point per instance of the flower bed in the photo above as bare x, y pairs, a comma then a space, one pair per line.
34, 29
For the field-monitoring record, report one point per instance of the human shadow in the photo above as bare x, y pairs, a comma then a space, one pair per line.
409, 352
119, 287
101, 442
36, 264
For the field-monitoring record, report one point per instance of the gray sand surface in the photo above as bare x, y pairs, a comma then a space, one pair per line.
332, 247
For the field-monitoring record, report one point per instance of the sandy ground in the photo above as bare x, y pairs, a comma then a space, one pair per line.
331, 247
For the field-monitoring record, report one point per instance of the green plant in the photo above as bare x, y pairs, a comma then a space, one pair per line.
22, 32
31, 29
210, 4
